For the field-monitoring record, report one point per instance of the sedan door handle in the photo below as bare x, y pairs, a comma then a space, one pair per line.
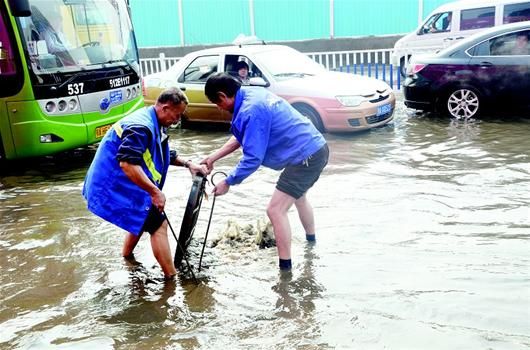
182, 88
486, 64
459, 37
448, 39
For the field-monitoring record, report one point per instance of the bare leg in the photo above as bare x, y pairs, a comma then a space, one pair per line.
277, 212
305, 213
129, 244
162, 251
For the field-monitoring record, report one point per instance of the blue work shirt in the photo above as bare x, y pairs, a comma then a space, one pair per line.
271, 132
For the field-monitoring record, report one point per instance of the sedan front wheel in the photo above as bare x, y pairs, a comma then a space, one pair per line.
463, 103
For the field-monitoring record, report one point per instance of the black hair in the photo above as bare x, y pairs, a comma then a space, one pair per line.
221, 82
172, 95
241, 64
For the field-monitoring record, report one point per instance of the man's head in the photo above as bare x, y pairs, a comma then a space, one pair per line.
170, 105
221, 89
242, 69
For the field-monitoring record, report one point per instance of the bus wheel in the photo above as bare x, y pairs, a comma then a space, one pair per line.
310, 113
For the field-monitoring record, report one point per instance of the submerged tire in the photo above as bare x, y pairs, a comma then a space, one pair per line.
189, 220
310, 113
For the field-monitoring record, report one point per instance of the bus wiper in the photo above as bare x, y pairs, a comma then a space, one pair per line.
73, 77
116, 61
125, 62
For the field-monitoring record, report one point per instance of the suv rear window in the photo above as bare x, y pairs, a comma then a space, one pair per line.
516, 13
477, 18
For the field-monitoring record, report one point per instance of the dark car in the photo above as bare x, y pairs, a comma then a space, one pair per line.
486, 72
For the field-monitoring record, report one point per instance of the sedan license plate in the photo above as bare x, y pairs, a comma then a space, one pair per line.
101, 130
384, 109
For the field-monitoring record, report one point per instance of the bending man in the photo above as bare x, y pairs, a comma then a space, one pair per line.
124, 182
271, 133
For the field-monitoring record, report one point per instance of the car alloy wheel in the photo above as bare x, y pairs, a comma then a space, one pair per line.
463, 103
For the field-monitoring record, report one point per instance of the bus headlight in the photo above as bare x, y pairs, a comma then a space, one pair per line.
61, 105
72, 104
49, 138
50, 107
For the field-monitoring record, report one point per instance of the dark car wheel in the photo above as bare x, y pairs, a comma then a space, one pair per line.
402, 68
311, 114
191, 214
463, 102
184, 123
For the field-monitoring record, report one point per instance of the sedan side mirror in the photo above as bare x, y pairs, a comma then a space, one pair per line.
258, 81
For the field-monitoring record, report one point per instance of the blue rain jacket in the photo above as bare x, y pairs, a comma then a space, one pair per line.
271, 132
110, 194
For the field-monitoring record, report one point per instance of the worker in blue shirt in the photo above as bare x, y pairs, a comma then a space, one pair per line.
124, 182
271, 133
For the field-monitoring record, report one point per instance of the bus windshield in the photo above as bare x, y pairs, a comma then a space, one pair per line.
73, 35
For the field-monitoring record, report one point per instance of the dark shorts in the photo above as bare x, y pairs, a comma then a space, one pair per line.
154, 220
295, 180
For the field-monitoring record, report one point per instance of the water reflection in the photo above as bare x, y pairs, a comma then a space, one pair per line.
423, 228
296, 296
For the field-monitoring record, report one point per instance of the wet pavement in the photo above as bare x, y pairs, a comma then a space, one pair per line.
423, 243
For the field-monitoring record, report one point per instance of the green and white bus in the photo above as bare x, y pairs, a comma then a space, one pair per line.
69, 69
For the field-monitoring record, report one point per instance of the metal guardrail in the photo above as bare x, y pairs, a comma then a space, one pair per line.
373, 63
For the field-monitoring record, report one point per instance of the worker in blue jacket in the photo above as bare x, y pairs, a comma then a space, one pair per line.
124, 182
271, 133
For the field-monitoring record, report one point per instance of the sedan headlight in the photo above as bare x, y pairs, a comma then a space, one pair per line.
350, 101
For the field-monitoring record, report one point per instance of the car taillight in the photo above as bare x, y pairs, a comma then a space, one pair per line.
143, 88
416, 68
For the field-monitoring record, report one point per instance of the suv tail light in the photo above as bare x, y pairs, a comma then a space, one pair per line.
415, 68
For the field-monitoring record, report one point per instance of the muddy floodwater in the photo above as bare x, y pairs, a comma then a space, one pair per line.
423, 242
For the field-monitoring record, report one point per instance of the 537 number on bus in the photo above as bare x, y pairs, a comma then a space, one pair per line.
75, 89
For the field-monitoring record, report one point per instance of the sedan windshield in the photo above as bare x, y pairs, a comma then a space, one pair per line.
72, 35
289, 63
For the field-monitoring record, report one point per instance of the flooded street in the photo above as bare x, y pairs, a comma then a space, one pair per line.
423, 242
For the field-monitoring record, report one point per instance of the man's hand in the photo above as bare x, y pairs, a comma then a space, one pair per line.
208, 162
221, 188
230, 146
158, 198
137, 175
199, 168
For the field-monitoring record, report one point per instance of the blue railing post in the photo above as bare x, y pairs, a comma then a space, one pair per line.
391, 76
362, 68
348, 68
384, 72
376, 70
369, 69
398, 79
